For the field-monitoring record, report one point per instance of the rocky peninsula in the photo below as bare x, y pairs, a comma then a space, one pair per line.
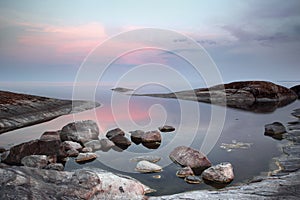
21, 110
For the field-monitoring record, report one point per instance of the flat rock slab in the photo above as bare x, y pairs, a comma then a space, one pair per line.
20, 110
31, 183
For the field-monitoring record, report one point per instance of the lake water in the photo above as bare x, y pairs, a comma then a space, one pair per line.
147, 113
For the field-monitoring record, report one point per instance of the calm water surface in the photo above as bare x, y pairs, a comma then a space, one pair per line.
145, 113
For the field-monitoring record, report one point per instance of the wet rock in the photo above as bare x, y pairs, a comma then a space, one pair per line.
136, 136
34, 147
151, 136
166, 128
192, 179
93, 144
184, 172
121, 141
275, 130
150, 158
36, 161
221, 173
80, 131
33, 183
106, 144
296, 113
85, 157
72, 153
151, 145
55, 166
86, 150
115, 132
296, 89
2, 149
186, 156
70, 145
50, 135
147, 167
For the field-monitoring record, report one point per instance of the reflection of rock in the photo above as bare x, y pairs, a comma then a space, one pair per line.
221, 173
121, 89
36, 161
192, 179
147, 167
136, 136
121, 141
85, 157
80, 131
151, 136
151, 145
184, 172
235, 145
256, 96
114, 132
187, 156
296, 89
166, 128
93, 144
150, 158
33, 183
34, 147
275, 130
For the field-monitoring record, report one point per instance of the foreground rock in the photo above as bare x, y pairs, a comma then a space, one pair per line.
36, 161
121, 142
80, 131
115, 132
147, 167
136, 136
34, 147
166, 128
296, 89
221, 173
275, 130
32, 183
256, 96
188, 157
20, 110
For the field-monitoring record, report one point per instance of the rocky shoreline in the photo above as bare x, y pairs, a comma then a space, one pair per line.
21, 110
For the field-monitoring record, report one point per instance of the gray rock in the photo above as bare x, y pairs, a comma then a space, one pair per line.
186, 156
93, 144
72, 153
151, 136
85, 157
87, 150
55, 166
50, 135
36, 161
33, 183
192, 179
136, 136
296, 113
184, 172
80, 131
221, 173
106, 144
275, 130
166, 128
121, 142
115, 132
147, 167
150, 158
70, 145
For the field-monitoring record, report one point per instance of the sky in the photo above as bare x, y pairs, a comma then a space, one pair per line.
47, 41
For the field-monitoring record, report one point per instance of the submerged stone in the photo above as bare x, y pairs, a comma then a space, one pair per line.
150, 158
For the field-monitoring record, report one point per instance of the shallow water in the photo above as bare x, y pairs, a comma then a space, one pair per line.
147, 113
